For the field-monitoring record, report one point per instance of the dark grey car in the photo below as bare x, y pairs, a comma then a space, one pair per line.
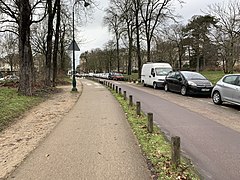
188, 82
227, 89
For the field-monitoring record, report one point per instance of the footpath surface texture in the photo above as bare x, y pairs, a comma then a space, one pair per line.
19, 139
93, 141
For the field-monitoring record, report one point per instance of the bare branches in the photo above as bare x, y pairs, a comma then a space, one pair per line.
8, 9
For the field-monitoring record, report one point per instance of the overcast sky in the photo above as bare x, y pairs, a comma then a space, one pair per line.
95, 35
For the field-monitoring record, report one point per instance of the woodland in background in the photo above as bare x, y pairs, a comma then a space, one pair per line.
35, 36
152, 32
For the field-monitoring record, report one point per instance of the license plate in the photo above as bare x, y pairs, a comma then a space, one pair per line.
205, 89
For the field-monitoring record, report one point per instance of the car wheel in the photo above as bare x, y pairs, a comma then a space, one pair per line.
166, 87
155, 85
216, 98
183, 90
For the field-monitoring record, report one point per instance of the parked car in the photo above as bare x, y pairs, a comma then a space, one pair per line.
13, 78
188, 82
118, 77
110, 75
105, 75
153, 74
227, 89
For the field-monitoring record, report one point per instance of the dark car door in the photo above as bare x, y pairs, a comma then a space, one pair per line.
178, 81
170, 80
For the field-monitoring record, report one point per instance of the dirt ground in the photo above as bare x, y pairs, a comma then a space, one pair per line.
18, 140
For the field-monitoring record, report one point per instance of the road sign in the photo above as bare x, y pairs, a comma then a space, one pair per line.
76, 48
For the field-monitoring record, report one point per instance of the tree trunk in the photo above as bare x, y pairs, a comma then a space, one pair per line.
62, 51
55, 52
180, 50
25, 51
118, 56
148, 50
130, 56
49, 44
139, 60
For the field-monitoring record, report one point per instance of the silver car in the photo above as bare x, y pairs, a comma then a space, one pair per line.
227, 89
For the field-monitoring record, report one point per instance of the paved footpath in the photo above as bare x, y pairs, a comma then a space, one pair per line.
93, 142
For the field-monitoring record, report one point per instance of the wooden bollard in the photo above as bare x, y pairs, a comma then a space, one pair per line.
175, 151
113, 86
150, 122
116, 89
120, 91
130, 100
124, 95
138, 108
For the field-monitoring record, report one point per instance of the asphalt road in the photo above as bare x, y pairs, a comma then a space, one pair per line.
209, 134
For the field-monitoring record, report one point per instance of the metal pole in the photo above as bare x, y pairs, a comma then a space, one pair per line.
74, 83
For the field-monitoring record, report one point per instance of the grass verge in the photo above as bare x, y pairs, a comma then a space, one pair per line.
155, 147
213, 76
12, 105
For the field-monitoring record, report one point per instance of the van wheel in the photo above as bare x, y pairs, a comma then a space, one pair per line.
166, 87
183, 90
155, 85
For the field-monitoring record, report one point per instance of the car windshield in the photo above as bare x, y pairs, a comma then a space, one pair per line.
162, 71
193, 76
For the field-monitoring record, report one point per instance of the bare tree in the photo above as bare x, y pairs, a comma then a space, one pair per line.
136, 9
51, 9
56, 42
21, 13
112, 19
227, 35
153, 13
9, 48
175, 35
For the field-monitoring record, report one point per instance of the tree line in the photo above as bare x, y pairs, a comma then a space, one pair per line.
35, 34
151, 31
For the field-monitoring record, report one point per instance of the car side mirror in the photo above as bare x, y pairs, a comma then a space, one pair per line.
179, 78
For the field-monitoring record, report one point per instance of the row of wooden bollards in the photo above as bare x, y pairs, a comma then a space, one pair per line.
175, 141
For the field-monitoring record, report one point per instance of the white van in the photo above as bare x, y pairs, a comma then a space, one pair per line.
153, 74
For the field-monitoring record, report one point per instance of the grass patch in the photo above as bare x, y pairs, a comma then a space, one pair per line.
155, 146
213, 76
133, 76
12, 105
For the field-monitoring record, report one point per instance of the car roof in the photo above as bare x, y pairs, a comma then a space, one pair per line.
232, 75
